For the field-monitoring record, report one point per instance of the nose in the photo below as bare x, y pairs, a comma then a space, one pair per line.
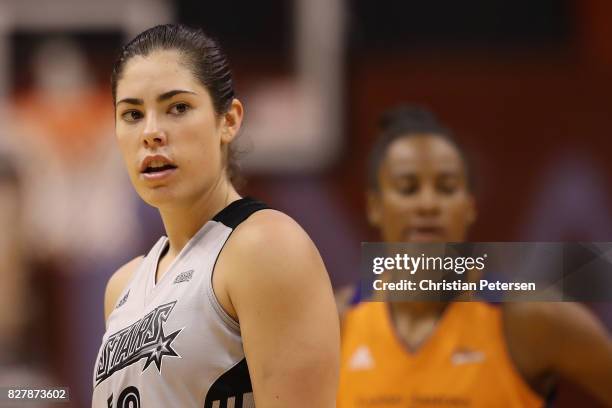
153, 135
428, 203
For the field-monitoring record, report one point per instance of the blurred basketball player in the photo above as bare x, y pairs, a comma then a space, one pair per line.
23, 356
234, 308
454, 354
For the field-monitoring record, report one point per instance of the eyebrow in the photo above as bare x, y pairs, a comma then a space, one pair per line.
160, 98
413, 174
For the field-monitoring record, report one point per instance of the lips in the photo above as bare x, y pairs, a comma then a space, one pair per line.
425, 233
157, 168
156, 164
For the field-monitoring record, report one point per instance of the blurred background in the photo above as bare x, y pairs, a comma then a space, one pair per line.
525, 85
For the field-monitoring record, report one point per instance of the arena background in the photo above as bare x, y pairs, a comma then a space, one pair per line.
526, 86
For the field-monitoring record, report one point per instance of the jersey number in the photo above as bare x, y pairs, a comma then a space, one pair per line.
129, 398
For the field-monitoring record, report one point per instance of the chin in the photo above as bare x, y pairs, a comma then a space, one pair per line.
159, 196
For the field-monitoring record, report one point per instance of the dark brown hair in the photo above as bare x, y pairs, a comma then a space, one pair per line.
203, 56
407, 121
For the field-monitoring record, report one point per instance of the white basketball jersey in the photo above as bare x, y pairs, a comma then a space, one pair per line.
171, 344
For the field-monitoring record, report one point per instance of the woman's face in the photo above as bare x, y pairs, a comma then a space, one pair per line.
168, 132
423, 192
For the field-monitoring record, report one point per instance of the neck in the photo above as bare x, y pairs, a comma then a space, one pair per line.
183, 221
415, 322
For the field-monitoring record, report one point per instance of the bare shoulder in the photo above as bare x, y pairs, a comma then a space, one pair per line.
117, 283
269, 252
271, 234
549, 316
528, 323
534, 330
563, 338
268, 223
279, 291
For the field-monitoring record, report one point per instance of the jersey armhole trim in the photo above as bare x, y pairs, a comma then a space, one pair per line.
128, 283
230, 217
229, 321
507, 355
125, 289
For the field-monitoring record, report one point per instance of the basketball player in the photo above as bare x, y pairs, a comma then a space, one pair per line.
21, 340
462, 354
234, 308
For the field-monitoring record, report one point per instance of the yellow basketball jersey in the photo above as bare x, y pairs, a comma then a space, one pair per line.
464, 363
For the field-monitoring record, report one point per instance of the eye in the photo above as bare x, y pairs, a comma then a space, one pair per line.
179, 108
131, 115
407, 185
446, 189
448, 185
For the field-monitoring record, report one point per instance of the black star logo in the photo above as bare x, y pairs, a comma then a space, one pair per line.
162, 348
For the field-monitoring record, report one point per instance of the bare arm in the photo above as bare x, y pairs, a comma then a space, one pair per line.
280, 291
117, 283
565, 339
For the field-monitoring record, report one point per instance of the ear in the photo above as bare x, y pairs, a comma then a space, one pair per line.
472, 213
231, 122
374, 209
